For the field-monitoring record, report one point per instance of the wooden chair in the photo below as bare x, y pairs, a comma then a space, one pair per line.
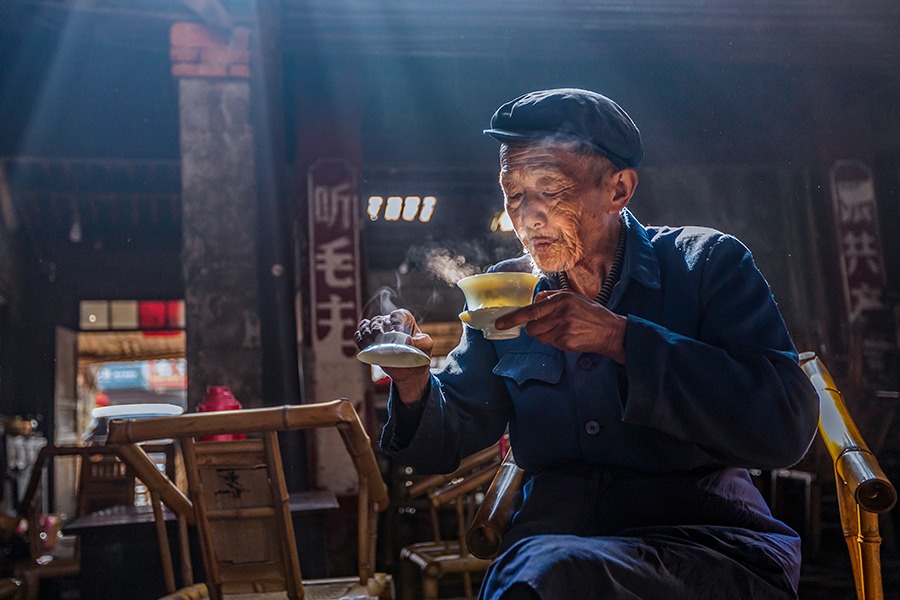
863, 489
240, 504
103, 481
438, 557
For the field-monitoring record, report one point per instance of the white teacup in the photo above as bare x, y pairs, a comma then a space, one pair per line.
491, 295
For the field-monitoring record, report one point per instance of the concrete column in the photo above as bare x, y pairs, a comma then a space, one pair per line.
219, 204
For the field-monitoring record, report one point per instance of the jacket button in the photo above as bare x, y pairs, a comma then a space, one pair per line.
592, 427
585, 362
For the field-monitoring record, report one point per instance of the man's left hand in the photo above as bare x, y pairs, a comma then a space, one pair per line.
572, 323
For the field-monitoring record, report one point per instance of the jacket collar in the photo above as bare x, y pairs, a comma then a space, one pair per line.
640, 259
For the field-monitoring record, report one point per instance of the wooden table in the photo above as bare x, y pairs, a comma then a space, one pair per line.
120, 556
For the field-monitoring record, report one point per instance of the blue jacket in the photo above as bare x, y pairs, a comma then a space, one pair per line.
711, 378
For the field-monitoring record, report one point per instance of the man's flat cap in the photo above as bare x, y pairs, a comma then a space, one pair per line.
570, 114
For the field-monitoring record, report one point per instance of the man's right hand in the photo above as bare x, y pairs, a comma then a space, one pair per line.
410, 383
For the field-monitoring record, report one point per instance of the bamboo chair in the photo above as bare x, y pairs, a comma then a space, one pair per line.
863, 489
240, 504
438, 557
103, 481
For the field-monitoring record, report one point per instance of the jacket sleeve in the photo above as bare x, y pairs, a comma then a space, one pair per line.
736, 389
466, 409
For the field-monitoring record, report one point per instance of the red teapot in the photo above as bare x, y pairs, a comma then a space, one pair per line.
219, 397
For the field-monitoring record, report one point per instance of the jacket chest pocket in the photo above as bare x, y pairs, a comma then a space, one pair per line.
536, 364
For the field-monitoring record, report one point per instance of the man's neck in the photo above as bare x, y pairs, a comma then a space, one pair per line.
587, 276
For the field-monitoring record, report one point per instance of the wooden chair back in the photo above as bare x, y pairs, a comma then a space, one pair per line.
238, 495
98, 487
103, 481
863, 489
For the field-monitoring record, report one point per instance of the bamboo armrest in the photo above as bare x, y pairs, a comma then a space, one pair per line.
854, 463
338, 413
156, 481
423, 485
453, 490
496, 511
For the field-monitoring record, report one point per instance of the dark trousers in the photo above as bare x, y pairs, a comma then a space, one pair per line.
588, 532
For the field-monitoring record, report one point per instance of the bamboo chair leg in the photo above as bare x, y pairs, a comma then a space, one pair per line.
429, 587
850, 526
362, 541
187, 570
863, 542
461, 536
870, 555
164, 549
467, 582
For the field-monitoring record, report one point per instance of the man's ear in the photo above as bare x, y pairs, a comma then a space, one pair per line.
624, 183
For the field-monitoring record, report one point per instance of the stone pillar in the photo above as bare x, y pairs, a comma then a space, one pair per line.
219, 211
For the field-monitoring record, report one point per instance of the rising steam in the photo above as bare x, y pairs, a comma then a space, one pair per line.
381, 302
448, 267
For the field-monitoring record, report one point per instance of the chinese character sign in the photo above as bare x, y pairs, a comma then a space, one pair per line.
862, 267
334, 254
334, 272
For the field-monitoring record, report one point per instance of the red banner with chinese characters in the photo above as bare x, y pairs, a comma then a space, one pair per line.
862, 269
334, 262
856, 219
334, 253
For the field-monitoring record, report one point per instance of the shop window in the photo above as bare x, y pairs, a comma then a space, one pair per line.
124, 315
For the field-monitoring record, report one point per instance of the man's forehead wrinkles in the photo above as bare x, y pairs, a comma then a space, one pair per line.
539, 172
533, 160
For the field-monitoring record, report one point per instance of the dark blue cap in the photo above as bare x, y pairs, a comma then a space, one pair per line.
570, 114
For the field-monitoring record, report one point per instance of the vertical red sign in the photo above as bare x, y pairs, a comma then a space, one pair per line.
856, 221
334, 254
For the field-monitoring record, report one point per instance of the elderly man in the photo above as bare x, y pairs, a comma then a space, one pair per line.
654, 370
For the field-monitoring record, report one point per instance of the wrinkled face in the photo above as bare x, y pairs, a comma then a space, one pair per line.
557, 199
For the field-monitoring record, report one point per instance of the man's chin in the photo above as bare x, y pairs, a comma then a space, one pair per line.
549, 265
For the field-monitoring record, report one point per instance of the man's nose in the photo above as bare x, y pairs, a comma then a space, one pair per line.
534, 214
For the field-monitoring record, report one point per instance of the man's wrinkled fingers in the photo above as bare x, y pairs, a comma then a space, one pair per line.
377, 324
402, 319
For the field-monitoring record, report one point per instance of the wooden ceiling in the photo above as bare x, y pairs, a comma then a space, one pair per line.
48, 193
813, 31
799, 31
